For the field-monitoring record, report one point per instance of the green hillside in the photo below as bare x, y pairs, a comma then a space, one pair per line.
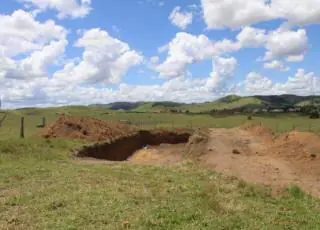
228, 102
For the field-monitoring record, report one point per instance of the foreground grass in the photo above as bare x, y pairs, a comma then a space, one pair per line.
42, 187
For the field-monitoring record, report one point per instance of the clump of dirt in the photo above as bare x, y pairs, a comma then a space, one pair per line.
197, 144
87, 129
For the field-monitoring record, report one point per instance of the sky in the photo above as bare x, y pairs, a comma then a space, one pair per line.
79, 52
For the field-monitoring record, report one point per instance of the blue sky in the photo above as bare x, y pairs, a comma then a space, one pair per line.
55, 52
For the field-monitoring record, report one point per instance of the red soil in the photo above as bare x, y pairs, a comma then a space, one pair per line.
87, 129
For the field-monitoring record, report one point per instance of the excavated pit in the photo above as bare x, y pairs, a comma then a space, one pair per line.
123, 148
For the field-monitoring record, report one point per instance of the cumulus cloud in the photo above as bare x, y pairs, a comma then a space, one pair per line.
180, 19
223, 71
21, 33
302, 83
185, 48
53, 91
182, 50
298, 12
296, 58
48, 92
65, 8
286, 43
27, 46
276, 64
236, 14
105, 59
279, 43
254, 84
251, 37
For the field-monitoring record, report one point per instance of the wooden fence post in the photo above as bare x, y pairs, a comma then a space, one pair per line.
22, 128
43, 122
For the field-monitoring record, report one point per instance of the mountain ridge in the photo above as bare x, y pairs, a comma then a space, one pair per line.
225, 103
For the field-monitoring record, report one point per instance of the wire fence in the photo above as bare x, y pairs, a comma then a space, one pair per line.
33, 121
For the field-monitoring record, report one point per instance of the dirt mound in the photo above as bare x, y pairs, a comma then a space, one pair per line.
197, 144
298, 145
252, 153
87, 129
258, 130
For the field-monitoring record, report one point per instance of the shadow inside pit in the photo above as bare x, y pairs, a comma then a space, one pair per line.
123, 148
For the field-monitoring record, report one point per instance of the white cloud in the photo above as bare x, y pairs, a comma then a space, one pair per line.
65, 8
53, 91
296, 58
27, 46
180, 19
223, 71
225, 46
298, 12
251, 37
276, 64
21, 33
35, 65
45, 92
303, 83
186, 48
255, 84
235, 13
182, 50
105, 59
284, 43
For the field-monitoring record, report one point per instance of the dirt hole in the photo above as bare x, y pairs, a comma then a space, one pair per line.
122, 149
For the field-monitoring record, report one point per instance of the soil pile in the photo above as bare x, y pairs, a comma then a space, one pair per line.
252, 153
258, 130
298, 145
197, 144
87, 129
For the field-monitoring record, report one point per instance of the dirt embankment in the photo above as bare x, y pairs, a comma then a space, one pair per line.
254, 153
87, 129
251, 152
123, 148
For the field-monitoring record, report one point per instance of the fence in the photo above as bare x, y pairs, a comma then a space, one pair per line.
31, 123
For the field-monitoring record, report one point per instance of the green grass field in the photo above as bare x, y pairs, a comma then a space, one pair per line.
43, 187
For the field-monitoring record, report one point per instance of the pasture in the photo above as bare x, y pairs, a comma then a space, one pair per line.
43, 187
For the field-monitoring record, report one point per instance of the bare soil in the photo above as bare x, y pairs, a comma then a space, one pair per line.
89, 129
123, 148
251, 152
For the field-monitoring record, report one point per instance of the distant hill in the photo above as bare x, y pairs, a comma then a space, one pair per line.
228, 102
119, 105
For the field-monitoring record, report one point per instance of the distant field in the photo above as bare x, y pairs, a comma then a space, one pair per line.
277, 122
